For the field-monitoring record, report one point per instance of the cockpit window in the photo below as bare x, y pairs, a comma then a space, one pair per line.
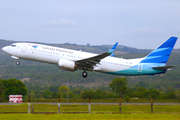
13, 45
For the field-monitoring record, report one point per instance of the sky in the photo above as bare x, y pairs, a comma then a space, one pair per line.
141, 24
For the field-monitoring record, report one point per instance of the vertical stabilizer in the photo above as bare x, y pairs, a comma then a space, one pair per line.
162, 53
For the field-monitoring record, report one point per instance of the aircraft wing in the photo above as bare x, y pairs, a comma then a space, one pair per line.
88, 63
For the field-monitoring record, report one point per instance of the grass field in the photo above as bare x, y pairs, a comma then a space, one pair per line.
90, 116
135, 109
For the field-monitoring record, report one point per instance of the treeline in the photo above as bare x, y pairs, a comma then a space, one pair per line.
118, 87
101, 92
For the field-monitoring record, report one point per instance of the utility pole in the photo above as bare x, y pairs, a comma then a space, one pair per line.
67, 91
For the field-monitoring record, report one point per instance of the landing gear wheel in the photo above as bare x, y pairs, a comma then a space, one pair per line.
84, 74
17, 63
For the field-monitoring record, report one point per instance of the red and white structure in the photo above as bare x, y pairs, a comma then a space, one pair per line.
15, 98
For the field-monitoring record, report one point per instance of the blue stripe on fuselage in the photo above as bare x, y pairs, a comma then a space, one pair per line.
146, 70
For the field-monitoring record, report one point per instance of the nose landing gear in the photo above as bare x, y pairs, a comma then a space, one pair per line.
84, 74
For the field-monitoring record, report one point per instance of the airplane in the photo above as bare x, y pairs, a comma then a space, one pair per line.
71, 60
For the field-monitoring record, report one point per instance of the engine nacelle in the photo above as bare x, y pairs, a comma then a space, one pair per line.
66, 65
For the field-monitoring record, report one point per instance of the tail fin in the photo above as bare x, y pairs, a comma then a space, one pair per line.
162, 53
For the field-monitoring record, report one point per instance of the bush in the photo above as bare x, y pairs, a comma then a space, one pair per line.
127, 99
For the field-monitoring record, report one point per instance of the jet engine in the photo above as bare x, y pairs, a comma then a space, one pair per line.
66, 65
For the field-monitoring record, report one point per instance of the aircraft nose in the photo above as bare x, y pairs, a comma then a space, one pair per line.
5, 49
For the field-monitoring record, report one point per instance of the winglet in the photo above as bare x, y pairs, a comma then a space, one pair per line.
112, 49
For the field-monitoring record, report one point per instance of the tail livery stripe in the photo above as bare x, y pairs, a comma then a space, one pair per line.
162, 53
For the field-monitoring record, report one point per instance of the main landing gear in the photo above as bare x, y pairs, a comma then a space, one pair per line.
17, 63
84, 74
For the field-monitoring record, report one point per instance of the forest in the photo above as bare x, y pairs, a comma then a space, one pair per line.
118, 87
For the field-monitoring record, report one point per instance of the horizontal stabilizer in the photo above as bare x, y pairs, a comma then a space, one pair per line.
163, 67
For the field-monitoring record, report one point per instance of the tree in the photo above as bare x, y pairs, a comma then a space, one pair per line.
1, 88
119, 86
141, 91
85, 94
129, 93
127, 99
47, 94
178, 94
151, 93
101, 94
62, 91
53, 88
76, 91
41, 93
170, 89
54, 95
172, 95
32, 95
142, 84
112, 95
14, 87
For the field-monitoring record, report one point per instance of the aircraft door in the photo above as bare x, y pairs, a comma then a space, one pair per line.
24, 48
140, 67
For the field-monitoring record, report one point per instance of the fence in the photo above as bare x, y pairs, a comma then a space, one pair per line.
31, 108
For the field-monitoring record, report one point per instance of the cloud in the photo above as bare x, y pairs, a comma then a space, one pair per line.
62, 23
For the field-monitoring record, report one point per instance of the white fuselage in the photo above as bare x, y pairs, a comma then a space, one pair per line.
66, 60
51, 55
